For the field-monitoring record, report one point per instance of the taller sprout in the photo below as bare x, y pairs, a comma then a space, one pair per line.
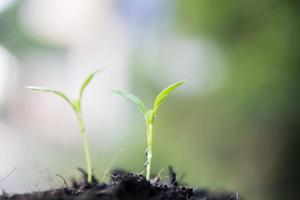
149, 117
76, 106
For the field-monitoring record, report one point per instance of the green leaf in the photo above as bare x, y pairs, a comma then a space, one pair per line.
132, 98
43, 89
164, 94
87, 81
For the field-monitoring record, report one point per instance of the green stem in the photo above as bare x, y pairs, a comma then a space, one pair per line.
86, 146
149, 150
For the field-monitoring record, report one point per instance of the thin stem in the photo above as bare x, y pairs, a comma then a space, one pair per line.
86, 146
149, 149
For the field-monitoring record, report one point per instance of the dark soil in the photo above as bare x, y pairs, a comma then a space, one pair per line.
125, 186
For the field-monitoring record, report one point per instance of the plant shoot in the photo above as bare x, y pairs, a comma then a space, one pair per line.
150, 115
76, 106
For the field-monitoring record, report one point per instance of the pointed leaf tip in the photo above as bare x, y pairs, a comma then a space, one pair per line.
44, 89
132, 98
87, 81
164, 94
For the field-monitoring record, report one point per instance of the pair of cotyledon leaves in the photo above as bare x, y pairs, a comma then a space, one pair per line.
161, 97
76, 103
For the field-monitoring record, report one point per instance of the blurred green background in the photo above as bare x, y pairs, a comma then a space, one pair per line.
233, 126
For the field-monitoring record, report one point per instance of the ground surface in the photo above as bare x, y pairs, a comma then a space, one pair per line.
125, 186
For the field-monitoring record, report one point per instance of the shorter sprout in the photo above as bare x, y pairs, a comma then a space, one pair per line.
76, 106
149, 117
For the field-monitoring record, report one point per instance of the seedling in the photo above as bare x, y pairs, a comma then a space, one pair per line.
76, 106
150, 115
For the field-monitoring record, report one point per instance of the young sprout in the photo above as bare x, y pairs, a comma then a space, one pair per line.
149, 117
76, 106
